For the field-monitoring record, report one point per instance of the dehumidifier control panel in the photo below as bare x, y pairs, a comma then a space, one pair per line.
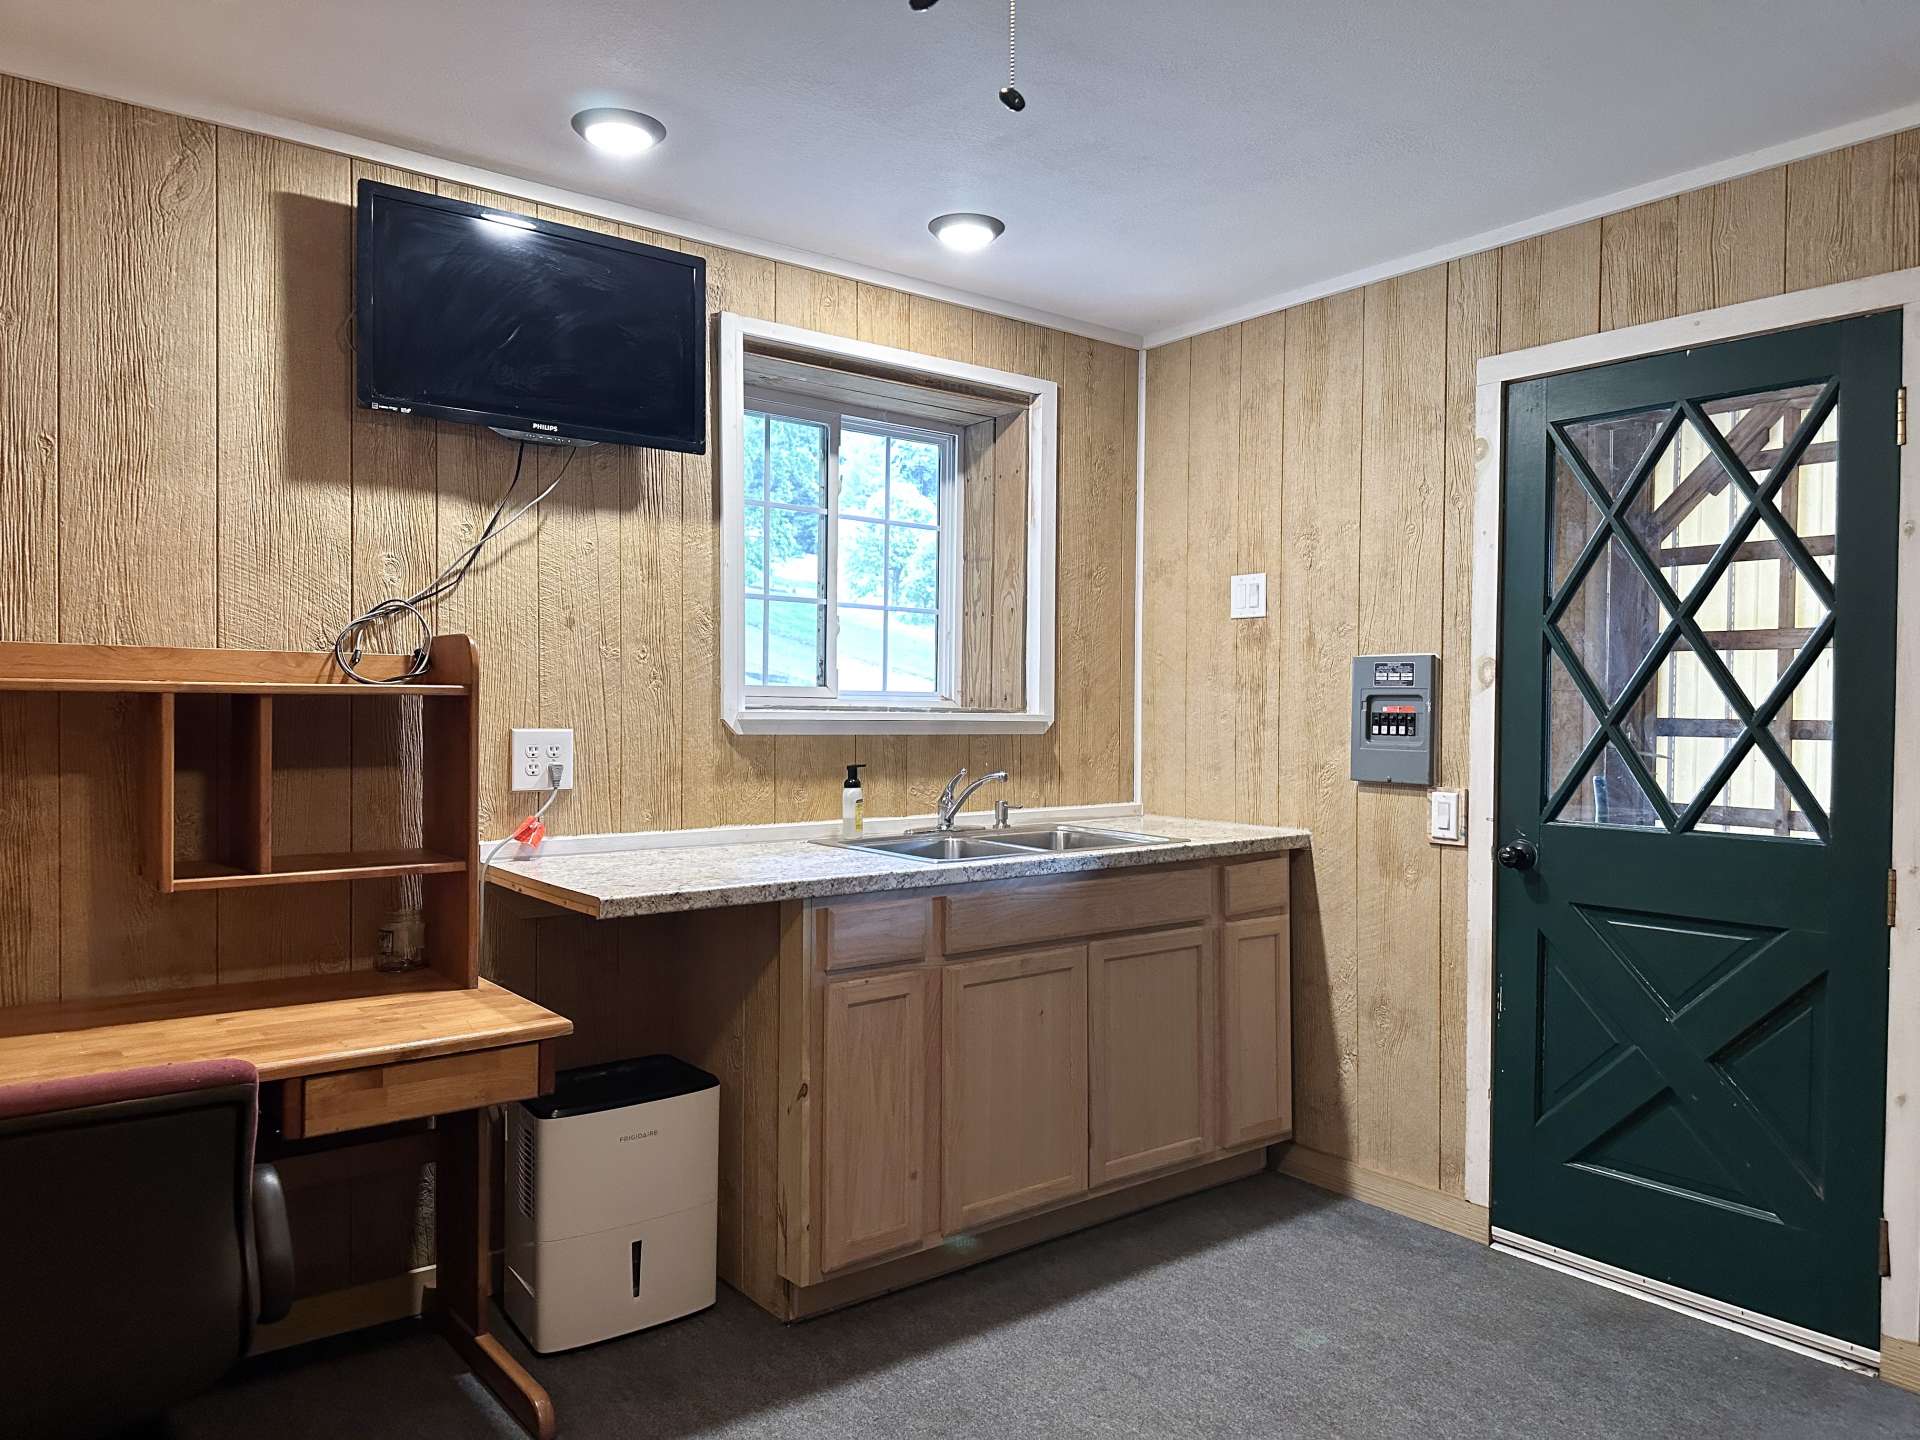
1392, 741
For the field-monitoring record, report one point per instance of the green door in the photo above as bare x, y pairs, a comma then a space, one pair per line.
1696, 759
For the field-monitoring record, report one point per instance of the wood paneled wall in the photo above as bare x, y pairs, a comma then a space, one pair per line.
1332, 445
181, 463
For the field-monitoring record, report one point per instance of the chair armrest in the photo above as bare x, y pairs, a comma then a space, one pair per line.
272, 1243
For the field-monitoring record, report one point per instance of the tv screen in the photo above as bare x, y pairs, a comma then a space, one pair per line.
492, 318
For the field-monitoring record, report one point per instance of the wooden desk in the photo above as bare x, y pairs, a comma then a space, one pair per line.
347, 1051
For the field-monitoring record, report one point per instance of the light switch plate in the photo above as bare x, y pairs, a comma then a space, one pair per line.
534, 751
1447, 817
1248, 597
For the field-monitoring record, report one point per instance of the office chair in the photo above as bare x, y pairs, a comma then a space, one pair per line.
142, 1243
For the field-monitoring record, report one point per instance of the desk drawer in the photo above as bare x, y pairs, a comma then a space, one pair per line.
382, 1094
1008, 913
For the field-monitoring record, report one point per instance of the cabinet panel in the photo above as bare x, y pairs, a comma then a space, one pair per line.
1152, 1051
876, 1041
1014, 1102
1255, 885
853, 933
1256, 1030
1052, 907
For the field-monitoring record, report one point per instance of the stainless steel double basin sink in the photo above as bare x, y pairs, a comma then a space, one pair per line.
949, 847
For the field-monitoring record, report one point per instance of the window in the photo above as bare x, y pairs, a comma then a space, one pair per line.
886, 539
850, 532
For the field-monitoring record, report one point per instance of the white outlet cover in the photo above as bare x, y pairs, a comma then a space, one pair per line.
1248, 598
534, 751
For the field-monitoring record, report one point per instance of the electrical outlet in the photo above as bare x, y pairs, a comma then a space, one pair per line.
534, 751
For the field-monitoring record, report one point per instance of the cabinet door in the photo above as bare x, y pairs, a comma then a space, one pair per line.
1014, 1101
1153, 1025
874, 1051
1256, 1031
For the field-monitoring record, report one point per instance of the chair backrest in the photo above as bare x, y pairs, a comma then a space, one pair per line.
126, 1215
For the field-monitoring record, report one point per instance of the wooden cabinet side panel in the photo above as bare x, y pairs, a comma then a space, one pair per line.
1015, 1094
1153, 1011
873, 1136
1256, 1030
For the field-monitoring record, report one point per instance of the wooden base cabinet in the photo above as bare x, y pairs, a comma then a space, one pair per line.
1153, 1024
1014, 1097
930, 1093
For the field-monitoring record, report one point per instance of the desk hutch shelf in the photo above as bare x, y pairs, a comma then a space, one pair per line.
255, 682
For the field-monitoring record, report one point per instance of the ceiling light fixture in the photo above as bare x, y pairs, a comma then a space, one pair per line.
966, 231
619, 132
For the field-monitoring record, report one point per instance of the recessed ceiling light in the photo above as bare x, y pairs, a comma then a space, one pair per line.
619, 132
966, 232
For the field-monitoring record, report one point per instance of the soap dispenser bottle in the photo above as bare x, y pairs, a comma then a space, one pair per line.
853, 802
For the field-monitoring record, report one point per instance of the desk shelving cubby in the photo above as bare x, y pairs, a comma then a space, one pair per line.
252, 684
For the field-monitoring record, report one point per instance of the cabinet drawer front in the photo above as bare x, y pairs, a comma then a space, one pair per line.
1259, 885
1025, 912
1256, 1031
854, 933
356, 1099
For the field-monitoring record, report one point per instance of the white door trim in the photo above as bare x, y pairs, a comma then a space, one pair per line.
1900, 1293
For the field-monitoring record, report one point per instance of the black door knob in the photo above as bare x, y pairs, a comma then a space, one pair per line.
1517, 855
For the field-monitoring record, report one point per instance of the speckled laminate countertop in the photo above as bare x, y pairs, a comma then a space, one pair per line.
613, 884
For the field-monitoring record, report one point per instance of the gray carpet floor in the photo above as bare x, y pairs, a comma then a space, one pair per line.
1264, 1308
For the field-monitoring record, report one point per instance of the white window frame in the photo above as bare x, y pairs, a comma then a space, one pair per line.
948, 616
761, 710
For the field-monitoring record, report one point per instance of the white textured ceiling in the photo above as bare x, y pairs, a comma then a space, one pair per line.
1177, 161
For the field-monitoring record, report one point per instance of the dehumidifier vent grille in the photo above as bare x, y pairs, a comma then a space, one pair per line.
523, 1177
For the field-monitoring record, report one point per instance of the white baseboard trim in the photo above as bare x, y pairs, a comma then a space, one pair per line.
1811, 1343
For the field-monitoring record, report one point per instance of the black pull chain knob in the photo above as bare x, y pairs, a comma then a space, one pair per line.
1517, 855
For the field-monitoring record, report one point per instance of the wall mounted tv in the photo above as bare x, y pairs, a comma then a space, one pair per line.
542, 330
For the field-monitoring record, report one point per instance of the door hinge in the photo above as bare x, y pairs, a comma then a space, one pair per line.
1886, 1249
1893, 895
1900, 417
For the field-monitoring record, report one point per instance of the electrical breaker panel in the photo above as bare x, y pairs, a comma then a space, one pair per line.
1393, 719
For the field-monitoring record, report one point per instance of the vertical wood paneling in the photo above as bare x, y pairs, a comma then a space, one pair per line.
1550, 286
1095, 630
1640, 265
1259, 546
1403, 514
1473, 331
727, 778
1319, 595
29, 538
1038, 769
137, 505
1164, 592
286, 510
1733, 241
395, 499
1213, 485
1124, 369
1906, 200
809, 769
1840, 215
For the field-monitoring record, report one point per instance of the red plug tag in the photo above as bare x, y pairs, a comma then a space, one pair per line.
532, 831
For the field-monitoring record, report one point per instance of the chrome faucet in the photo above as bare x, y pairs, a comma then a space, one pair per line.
949, 804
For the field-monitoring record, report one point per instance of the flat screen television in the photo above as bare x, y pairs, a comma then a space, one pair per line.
544, 330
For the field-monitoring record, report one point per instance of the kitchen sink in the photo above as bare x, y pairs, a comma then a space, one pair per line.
951, 847
1075, 837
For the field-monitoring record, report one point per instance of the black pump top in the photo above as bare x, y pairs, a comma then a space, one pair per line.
853, 776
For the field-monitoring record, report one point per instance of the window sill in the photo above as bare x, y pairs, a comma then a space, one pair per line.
849, 720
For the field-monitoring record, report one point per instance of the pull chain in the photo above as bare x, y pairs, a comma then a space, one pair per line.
1011, 96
